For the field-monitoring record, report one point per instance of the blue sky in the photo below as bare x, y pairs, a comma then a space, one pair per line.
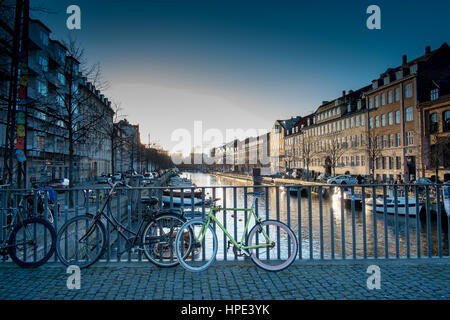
239, 64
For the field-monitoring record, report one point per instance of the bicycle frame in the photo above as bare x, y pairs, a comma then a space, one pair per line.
240, 245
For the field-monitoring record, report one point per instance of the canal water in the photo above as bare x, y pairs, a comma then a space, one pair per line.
323, 228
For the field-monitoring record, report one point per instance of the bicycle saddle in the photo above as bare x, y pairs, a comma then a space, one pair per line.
150, 201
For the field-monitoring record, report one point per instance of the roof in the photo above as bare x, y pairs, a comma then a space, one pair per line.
289, 123
41, 24
442, 84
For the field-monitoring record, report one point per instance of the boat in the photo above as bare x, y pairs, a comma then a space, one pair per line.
349, 198
446, 197
177, 202
414, 206
186, 194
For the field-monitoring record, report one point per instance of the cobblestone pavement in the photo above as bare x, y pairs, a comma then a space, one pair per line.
400, 279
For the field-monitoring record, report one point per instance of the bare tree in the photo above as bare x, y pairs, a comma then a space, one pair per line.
334, 153
374, 151
438, 153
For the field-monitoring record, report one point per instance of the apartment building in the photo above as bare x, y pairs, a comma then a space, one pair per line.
334, 141
435, 131
277, 143
393, 115
48, 108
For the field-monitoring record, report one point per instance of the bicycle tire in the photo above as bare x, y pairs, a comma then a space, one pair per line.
12, 250
291, 252
186, 257
62, 246
153, 252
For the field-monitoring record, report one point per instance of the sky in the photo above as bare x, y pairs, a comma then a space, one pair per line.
240, 64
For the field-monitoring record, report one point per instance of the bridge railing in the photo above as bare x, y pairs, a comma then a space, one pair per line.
330, 221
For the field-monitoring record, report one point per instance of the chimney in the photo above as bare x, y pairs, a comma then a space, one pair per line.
427, 50
343, 94
405, 59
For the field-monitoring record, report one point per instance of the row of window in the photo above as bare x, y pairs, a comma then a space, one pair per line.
350, 161
348, 123
388, 119
390, 97
390, 163
434, 122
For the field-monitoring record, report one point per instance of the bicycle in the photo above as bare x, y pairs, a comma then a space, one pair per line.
82, 241
27, 239
279, 254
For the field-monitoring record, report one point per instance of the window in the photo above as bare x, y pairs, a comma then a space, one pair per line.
434, 94
61, 79
383, 141
349, 108
44, 38
346, 123
397, 140
363, 160
397, 94
377, 121
446, 122
40, 142
42, 88
409, 114
363, 122
370, 103
357, 122
371, 123
357, 161
413, 69
383, 99
352, 122
408, 91
397, 117
43, 62
410, 138
376, 102
434, 123
398, 163
383, 120
386, 80
390, 118
383, 163
389, 97
391, 141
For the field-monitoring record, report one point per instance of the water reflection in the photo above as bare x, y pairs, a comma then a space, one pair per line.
327, 227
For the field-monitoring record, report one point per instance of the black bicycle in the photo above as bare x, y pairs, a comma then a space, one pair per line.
83, 240
29, 241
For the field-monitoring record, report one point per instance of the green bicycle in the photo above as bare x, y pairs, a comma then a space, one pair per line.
270, 244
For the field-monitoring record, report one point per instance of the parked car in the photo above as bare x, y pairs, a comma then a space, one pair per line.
424, 181
148, 178
343, 179
59, 183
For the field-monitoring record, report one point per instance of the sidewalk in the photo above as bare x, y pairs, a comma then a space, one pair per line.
413, 279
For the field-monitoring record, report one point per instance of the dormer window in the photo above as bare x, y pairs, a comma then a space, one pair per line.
413, 69
386, 80
434, 94
349, 108
398, 75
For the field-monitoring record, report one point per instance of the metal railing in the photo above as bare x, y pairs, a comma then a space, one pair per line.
331, 222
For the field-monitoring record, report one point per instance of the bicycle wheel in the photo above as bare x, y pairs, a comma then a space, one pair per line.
158, 239
32, 243
284, 250
196, 246
81, 241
